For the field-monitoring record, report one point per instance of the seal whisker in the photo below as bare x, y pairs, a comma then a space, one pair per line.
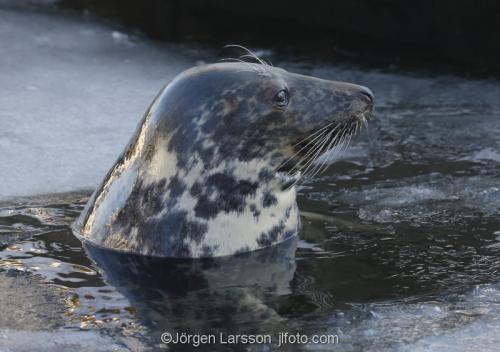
332, 146
312, 151
318, 152
319, 167
341, 146
365, 122
314, 164
301, 165
338, 140
346, 143
312, 134
298, 152
328, 138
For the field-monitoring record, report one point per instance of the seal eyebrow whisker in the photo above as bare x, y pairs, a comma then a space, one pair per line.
253, 67
250, 53
265, 62
251, 56
251, 71
264, 65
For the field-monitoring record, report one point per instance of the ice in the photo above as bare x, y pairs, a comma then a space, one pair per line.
485, 154
74, 90
458, 322
72, 94
64, 340
463, 322
432, 198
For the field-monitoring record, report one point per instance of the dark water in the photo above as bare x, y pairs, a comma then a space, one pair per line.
399, 249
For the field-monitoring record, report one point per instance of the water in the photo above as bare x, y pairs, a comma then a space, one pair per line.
400, 243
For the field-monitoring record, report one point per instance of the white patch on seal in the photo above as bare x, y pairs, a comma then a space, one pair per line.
163, 165
229, 232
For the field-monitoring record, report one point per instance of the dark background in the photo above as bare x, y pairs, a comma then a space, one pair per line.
462, 33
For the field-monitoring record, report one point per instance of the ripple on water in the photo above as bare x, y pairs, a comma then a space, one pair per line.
37, 240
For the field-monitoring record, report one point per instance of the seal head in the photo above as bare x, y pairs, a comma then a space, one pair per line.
211, 170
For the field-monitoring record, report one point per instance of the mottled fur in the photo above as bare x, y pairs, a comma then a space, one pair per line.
199, 178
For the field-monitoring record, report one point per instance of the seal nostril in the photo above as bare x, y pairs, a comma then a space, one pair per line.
368, 96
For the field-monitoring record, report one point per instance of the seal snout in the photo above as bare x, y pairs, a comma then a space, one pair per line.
367, 95
363, 103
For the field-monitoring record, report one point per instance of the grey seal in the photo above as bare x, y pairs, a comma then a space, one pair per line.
212, 168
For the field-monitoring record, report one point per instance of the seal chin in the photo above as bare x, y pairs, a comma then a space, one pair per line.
367, 114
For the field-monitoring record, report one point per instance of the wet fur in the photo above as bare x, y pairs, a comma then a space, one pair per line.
198, 179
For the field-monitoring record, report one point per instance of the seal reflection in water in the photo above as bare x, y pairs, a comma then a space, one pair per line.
228, 295
212, 168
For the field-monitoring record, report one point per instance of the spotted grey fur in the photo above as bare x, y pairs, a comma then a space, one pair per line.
199, 178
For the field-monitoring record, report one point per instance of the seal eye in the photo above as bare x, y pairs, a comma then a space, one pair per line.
281, 98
